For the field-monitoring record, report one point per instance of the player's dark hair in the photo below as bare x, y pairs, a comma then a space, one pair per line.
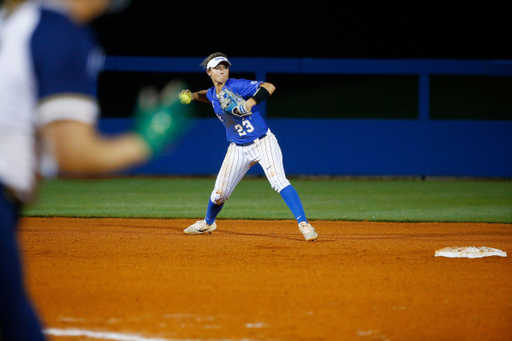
204, 64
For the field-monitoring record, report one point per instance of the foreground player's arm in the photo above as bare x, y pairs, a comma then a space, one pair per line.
78, 148
69, 134
265, 91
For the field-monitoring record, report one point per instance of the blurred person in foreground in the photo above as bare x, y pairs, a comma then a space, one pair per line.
49, 62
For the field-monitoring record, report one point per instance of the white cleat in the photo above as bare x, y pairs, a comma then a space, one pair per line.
200, 227
308, 231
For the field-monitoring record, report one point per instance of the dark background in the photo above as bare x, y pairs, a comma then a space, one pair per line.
362, 29
350, 29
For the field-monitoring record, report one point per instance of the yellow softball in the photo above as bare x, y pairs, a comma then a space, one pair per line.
185, 97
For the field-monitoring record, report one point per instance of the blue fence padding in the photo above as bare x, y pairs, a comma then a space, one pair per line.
344, 147
317, 65
350, 147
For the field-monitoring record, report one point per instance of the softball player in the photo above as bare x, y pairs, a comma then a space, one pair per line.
49, 62
235, 102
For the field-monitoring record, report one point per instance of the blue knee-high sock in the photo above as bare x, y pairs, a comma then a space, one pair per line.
212, 211
291, 198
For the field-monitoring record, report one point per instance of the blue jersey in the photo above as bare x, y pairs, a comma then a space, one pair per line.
239, 129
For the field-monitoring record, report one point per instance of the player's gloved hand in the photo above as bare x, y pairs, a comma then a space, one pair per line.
160, 117
234, 104
241, 109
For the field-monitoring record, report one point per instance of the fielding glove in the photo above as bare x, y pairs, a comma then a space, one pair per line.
233, 104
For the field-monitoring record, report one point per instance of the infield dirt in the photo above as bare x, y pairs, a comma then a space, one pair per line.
260, 280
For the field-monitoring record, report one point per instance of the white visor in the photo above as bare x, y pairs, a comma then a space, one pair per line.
216, 61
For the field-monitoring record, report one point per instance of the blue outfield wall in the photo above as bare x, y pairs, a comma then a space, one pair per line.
421, 147
350, 147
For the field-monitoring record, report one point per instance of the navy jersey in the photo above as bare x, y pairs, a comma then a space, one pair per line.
239, 129
44, 58
67, 62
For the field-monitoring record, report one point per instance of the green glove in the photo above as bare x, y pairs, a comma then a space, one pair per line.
160, 119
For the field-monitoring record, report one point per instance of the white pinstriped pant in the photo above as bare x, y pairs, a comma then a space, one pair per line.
238, 161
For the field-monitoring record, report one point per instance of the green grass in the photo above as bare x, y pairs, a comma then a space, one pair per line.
373, 200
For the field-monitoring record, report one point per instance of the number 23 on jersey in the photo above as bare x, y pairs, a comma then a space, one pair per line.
244, 128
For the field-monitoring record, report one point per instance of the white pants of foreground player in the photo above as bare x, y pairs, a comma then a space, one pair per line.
238, 161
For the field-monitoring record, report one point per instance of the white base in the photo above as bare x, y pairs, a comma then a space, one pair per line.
469, 252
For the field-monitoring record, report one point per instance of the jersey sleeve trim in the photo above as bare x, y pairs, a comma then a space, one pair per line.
67, 107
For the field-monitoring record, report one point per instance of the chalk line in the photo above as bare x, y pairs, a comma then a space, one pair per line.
98, 335
112, 336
